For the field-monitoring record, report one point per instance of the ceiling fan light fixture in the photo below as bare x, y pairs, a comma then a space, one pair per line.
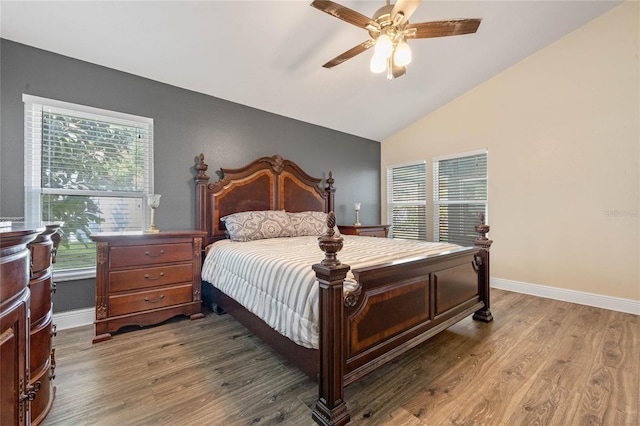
402, 54
389, 28
378, 64
384, 46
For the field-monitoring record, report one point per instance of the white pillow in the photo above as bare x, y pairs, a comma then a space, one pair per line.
310, 223
256, 225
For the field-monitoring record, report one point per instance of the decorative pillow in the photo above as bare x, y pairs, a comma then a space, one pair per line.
257, 225
309, 223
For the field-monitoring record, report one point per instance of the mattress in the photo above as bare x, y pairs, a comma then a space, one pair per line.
273, 279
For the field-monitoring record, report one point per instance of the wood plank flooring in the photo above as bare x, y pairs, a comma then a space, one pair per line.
540, 361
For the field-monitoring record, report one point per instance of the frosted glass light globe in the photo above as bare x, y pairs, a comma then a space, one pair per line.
384, 46
377, 64
402, 56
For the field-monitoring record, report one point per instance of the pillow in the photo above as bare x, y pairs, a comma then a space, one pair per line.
310, 223
257, 225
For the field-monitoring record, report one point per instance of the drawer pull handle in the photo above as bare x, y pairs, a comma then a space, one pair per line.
146, 253
146, 299
30, 391
147, 277
54, 330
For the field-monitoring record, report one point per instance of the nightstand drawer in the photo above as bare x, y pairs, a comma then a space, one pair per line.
121, 257
152, 299
137, 279
365, 230
372, 233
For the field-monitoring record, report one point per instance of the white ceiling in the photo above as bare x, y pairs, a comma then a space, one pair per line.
269, 54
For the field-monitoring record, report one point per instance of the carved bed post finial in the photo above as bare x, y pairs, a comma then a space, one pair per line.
330, 180
202, 167
482, 260
330, 190
329, 243
482, 229
330, 408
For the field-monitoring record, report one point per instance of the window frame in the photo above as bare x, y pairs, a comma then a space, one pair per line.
391, 203
437, 202
34, 109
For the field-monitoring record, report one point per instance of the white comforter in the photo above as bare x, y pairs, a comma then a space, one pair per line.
273, 278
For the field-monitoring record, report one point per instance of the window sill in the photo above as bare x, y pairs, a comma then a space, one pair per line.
74, 274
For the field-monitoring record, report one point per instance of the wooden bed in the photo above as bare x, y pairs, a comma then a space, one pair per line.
395, 307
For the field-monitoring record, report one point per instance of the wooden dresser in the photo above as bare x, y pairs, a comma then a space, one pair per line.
144, 279
41, 353
16, 392
365, 230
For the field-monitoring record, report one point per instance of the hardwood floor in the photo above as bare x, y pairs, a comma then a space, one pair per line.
540, 362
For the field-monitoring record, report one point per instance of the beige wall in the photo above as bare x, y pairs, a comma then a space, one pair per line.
562, 131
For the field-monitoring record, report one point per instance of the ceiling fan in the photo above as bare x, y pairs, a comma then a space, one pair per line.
389, 29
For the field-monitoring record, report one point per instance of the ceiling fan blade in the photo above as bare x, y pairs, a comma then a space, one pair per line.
442, 28
350, 53
407, 7
346, 14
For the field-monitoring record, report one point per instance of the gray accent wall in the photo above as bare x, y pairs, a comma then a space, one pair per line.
186, 123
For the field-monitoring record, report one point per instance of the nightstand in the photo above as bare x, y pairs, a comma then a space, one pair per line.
144, 279
365, 230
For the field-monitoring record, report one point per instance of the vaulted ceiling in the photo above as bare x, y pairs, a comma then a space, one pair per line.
269, 54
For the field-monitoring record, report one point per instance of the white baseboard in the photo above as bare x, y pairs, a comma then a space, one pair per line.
72, 319
599, 301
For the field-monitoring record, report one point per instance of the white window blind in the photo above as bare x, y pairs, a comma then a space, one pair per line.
459, 195
407, 200
88, 168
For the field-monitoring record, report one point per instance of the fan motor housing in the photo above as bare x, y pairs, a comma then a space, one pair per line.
382, 17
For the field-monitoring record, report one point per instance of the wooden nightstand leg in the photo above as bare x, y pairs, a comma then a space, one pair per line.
197, 316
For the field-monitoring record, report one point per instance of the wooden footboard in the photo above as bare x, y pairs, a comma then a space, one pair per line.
394, 308
404, 303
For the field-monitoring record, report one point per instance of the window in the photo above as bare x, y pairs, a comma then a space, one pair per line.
459, 196
407, 200
89, 168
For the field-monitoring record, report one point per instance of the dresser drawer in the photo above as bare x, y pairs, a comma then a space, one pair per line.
40, 298
121, 257
40, 256
152, 299
138, 279
41, 343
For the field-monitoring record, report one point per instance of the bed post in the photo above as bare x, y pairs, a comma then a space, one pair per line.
331, 408
330, 190
482, 259
202, 180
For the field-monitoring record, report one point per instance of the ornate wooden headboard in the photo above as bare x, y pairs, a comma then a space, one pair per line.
268, 183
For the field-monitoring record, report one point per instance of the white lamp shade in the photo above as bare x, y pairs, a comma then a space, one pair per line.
402, 56
384, 46
153, 200
378, 64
